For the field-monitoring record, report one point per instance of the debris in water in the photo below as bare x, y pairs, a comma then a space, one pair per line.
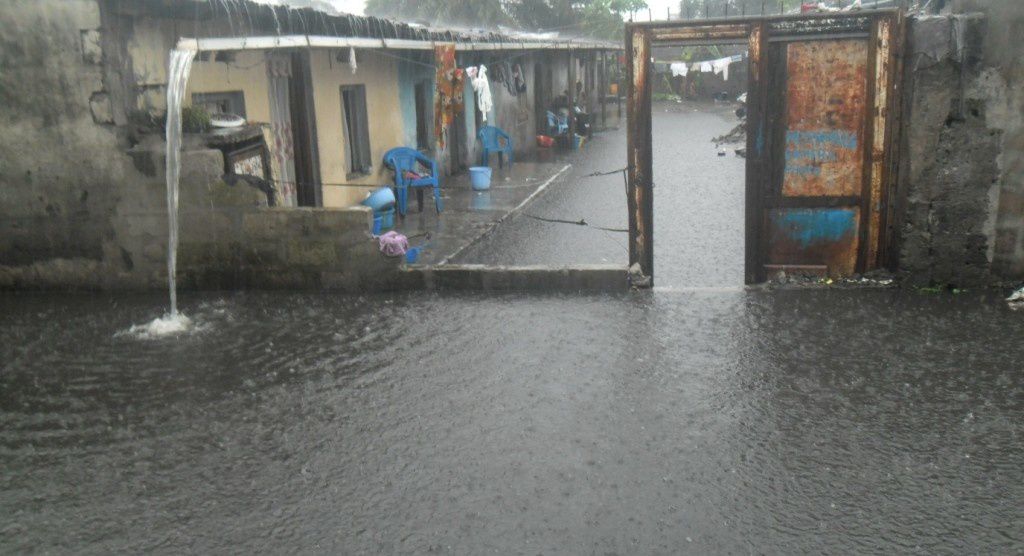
738, 134
1016, 299
637, 279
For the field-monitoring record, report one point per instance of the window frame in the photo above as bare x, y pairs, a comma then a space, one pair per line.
356, 131
234, 98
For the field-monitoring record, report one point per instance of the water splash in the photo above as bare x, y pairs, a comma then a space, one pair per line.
178, 71
167, 325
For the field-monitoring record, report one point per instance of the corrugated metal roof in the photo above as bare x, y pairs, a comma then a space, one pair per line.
316, 17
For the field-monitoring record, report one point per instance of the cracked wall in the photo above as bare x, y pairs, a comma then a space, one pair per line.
962, 172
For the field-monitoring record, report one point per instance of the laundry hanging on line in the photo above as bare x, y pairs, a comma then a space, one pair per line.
719, 66
482, 88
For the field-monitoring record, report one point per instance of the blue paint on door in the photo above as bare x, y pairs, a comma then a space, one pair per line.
815, 226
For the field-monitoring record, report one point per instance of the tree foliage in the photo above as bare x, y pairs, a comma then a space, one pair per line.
697, 9
593, 18
484, 13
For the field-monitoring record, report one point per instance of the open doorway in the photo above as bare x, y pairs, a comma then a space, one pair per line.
698, 141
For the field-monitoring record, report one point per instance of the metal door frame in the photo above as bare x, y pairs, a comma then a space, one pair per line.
885, 31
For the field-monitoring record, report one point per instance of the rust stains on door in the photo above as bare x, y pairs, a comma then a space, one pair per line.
825, 101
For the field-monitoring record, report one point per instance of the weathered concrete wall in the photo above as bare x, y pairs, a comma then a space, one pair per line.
283, 248
962, 174
521, 278
65, 180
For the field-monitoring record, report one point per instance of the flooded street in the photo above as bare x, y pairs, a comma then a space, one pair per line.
774, 422
698, 205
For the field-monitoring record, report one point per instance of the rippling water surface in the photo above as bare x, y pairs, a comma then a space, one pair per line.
718, 421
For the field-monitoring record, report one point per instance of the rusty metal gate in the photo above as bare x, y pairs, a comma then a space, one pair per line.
822, 106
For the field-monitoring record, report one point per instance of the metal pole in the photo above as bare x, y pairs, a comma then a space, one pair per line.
618, 90
604, 88
571, 94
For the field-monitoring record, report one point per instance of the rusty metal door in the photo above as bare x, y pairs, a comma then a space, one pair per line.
822, 102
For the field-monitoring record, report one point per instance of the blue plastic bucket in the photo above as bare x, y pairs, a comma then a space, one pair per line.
480, 177
387, 219
378, 220
380, 199
411, 255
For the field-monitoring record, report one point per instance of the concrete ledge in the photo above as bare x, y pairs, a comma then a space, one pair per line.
518, 278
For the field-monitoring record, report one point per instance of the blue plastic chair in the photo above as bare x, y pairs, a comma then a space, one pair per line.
490, 138
559, 125
404, 159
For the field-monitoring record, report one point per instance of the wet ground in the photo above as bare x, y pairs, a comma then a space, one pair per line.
467, 215
718, 421
698, 205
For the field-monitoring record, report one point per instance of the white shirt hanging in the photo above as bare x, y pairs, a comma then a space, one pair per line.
679, 68
721, 66
482, 88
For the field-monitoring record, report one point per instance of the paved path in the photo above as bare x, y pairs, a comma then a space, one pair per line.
468, 215
698, 205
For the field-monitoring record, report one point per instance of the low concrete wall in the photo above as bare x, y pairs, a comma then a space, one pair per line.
521, 278
283, 248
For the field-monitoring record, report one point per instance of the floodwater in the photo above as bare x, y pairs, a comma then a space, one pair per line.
698, 204
723, 421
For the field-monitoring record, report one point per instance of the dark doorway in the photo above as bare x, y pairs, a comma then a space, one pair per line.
540, 97
307, 158
423, 114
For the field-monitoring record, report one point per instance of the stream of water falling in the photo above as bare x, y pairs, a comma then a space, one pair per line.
178, 70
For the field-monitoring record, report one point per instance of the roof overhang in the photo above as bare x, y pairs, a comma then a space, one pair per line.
320, 41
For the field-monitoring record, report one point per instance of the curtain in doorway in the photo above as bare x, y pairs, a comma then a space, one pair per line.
279, 72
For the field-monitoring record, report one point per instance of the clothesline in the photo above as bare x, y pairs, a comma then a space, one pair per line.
718, 65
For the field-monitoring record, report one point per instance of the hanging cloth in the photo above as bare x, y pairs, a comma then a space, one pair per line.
282, 169
721, 66
448, 101
352, 59
679, 68
518, 81
705, 67
482, 88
